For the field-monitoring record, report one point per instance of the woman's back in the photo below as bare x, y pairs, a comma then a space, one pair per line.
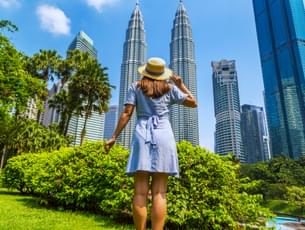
148, 106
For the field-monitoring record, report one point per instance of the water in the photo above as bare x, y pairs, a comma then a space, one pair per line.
278, 222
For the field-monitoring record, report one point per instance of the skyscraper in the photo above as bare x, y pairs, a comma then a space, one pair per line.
182, 61
254, 134
280, 28
134, 55
84, 43
95, 124
111, 118
227, 109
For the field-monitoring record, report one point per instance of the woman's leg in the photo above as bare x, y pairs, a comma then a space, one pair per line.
159, 188
139, 207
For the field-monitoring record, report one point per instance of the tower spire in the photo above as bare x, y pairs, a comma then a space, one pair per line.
137, 2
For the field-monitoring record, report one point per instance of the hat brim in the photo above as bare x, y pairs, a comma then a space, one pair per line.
164, 76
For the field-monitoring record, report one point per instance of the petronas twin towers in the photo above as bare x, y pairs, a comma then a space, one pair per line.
182, 61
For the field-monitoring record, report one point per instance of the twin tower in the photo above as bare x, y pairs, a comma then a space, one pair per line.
182, 61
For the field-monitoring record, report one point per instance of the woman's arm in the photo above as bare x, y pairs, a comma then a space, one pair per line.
190, 100
123, 120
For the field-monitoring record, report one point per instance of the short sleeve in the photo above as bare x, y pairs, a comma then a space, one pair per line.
176, 95
131, 96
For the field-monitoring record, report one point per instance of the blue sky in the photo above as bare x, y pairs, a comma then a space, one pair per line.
222, 29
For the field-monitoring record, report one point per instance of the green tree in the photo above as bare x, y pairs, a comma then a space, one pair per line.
17, 86
92, 82
24, 136
296, 195
85, 88
45, 66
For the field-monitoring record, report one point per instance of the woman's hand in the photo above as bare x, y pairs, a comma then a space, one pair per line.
177, 80
109, 144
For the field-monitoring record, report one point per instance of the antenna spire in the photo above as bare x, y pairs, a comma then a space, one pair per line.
137, 2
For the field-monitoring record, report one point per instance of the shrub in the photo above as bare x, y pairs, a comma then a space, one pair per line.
206, 196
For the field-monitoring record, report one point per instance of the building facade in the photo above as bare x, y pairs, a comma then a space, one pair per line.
280, 28
134, 55
182, 61
227, 109
51, 115
95, 124
111, 118
254, 134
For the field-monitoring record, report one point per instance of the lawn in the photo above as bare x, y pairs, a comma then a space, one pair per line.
284, 207
25, 213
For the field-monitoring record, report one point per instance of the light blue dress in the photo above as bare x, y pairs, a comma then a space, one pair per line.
153, 147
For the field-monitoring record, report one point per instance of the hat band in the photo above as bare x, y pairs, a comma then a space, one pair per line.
154, 73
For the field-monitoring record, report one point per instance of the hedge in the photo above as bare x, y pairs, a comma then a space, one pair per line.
208, 194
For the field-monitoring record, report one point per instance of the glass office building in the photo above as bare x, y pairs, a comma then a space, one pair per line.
280, 28
254, 134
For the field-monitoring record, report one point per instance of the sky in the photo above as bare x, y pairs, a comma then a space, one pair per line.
222, 29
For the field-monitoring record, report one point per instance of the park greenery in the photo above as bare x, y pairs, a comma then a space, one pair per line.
83, 88
208, 194
213, 192
280, 179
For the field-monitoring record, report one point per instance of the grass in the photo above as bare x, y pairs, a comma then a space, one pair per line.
284, 207
19, 212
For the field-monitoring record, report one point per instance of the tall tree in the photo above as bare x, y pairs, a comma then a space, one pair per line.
91, 81
44, 65
17, 86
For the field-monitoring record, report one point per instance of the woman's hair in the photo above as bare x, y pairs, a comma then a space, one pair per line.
153, 88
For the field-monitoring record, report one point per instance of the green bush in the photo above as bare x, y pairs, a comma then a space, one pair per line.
206, 196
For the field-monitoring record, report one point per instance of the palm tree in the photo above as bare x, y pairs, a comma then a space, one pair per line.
91, 81
45, 65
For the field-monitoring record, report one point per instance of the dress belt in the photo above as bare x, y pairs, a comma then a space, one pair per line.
151, 125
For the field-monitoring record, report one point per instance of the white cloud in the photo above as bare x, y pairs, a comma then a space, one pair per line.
100, 4
53, 20
9, 3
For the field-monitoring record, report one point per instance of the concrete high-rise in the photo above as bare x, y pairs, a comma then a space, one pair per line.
134, 55
280, 28
254, 134
95, 124
182, 61
227, 109
111, 118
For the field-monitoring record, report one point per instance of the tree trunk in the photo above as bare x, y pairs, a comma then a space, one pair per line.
84, 129
66, 125
3, 158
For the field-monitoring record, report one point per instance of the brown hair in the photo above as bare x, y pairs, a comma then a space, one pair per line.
153, 88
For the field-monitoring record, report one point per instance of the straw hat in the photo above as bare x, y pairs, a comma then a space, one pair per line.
155, 69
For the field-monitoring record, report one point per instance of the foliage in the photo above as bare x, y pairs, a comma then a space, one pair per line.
296, 195
91, 82
24, 136
84, 88
276, 175
282, 206
206, 196
17, 86
8, 25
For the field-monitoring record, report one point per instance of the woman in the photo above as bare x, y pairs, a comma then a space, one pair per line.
153, 149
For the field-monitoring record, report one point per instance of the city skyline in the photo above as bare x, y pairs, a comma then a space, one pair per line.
230, 34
